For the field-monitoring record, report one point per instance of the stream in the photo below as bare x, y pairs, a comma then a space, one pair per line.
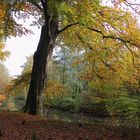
55, 114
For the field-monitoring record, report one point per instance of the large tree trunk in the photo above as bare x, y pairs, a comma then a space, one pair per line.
49, 33
34, 98
34, 102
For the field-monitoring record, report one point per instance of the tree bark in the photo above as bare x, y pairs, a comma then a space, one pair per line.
34, 102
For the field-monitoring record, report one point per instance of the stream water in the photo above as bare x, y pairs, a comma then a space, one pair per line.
56, 114
69, 117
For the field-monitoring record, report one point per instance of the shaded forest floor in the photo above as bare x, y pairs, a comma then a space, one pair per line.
18, 126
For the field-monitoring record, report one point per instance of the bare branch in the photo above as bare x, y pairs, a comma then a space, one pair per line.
131, 6
130, 3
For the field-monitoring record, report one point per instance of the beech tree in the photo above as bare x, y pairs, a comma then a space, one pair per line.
78, 24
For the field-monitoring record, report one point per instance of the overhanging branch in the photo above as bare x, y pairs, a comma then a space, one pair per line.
100, 32
112, 37
108, 36
68, 26
95, 30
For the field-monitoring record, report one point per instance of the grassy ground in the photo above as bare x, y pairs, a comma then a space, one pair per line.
18, 126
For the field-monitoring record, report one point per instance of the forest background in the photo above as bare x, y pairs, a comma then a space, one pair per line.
95, 68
